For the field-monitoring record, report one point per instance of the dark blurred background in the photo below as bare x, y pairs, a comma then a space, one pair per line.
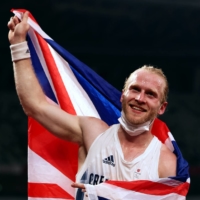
113, 37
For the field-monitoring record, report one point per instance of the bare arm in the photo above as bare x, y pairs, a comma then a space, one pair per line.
34, 102
167, 163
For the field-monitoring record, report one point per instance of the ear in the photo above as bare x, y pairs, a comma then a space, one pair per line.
162, 108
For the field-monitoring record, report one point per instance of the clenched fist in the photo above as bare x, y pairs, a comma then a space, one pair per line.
18, 29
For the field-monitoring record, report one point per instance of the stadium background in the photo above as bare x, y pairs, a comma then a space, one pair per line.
113, 37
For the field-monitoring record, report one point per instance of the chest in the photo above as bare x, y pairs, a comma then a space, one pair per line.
108, 164
130, 153
107, 160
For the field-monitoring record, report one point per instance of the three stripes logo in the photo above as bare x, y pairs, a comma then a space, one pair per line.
109, 160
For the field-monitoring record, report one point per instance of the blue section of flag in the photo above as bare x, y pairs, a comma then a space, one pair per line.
107, 111
182, 165
104, 88
40, 72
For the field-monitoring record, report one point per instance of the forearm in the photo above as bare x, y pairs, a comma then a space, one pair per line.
32, 98
27, 86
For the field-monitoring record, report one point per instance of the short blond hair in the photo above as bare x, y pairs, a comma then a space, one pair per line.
157, 71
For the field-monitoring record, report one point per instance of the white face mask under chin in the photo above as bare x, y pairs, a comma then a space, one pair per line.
133, 130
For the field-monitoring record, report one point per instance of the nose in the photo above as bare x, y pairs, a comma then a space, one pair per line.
140, 97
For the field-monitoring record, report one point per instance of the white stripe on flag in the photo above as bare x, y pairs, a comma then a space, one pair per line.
79, 98
169, 181
168, 142
40, 171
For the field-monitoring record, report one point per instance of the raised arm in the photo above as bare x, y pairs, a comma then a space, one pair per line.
34, 101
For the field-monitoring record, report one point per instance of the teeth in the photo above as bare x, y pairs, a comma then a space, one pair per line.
137, 108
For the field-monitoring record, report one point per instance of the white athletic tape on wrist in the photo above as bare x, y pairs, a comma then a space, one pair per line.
20, 51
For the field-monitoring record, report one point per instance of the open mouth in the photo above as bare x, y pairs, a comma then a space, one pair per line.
137, 108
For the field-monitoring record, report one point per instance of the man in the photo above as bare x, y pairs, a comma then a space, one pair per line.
125, 151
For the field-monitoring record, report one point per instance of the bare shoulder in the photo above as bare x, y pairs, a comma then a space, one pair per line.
167, 162
91, 128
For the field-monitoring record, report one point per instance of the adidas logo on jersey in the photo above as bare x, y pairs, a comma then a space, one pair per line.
109, 160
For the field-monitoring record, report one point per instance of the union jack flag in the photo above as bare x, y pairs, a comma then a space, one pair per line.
75, 88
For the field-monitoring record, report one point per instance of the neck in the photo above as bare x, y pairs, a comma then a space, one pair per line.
133, 146
141, 140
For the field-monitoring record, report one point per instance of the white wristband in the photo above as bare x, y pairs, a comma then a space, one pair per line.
20, 51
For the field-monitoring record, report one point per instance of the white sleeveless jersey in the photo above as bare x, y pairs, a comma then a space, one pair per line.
105, 161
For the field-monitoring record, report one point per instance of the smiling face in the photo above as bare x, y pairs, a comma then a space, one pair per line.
141, 101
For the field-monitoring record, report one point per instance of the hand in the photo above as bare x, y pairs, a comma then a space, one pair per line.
18, 29
79, 185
